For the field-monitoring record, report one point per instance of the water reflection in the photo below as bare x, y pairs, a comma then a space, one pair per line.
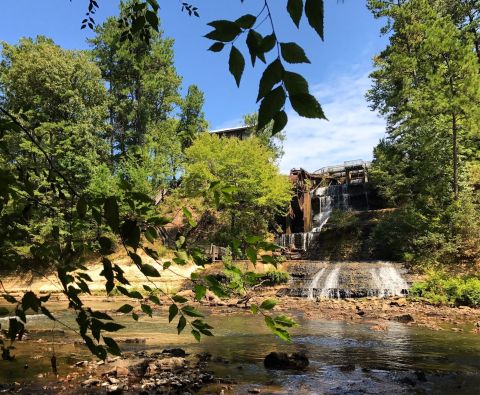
345, 357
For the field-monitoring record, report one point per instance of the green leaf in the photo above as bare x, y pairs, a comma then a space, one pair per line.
9, 298
295, 9
146, 309
155, 300
137, 260
112, 345
271, 104
196, 334
105, 245
282, 334
172, 312
135, 316
112, 326
268, 304
189, 217
216, 47
236, 64
246, 21
179, 299
81, 207
268, 43
270, 77
224, 31
307, 106
151, 234
293, 53
130, 232
269, 259
295, 83
30, 301
252, 254
125, 309
254, 41
182, 322
191, 311
254, 308
149, 270
111, 213
314, 10
280, 120
200, 291
135, 295
283, 320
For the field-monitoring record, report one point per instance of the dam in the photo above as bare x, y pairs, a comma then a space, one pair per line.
345, 188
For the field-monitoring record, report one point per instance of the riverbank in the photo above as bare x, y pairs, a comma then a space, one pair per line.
381, 338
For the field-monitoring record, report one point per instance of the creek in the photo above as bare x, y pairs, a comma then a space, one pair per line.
345, 358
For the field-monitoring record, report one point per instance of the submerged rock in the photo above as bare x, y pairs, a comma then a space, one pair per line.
404, 318
282, 360
176, 352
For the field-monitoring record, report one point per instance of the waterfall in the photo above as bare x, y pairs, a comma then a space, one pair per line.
314, 283
387, 281
330, 286
348, 280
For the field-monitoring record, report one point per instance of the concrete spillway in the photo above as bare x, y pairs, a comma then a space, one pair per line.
346, 279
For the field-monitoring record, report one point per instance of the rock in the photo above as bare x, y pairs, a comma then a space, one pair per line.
281, 360
404, 318
81, 363
90, 382
120, 371
204, 356
113, 380
176, 352
171, 364
347, 368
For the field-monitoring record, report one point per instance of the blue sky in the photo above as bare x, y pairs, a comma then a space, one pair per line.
338, 73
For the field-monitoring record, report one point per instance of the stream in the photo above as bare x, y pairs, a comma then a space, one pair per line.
345, 358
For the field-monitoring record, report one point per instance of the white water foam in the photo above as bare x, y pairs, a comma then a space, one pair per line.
314, 283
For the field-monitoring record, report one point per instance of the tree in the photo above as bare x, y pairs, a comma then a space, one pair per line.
258, 191
61, 100
274, 141
131, 216
427, 86
192, 119
142, 82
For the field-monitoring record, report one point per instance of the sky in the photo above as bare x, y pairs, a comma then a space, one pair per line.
337, 74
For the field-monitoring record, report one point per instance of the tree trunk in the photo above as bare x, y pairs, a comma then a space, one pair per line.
455, 157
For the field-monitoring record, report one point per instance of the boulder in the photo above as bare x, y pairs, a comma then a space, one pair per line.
404, 318
282, 361
175, 352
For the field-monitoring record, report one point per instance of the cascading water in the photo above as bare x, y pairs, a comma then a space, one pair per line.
350, 280
387, 281
325, 199
314, 283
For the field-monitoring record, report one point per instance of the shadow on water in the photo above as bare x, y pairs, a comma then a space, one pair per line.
345, 358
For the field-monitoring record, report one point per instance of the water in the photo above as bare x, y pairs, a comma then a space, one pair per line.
346, 279
345, 358
314, 284
387, 281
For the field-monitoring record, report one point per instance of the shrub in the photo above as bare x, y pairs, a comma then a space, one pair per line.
440, 289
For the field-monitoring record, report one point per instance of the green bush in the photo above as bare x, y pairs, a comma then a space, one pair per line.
455, 291
276, 277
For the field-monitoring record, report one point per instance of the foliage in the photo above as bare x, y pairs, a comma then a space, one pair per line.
257, 191
439, 288
274, 141
73, 185
427, 86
